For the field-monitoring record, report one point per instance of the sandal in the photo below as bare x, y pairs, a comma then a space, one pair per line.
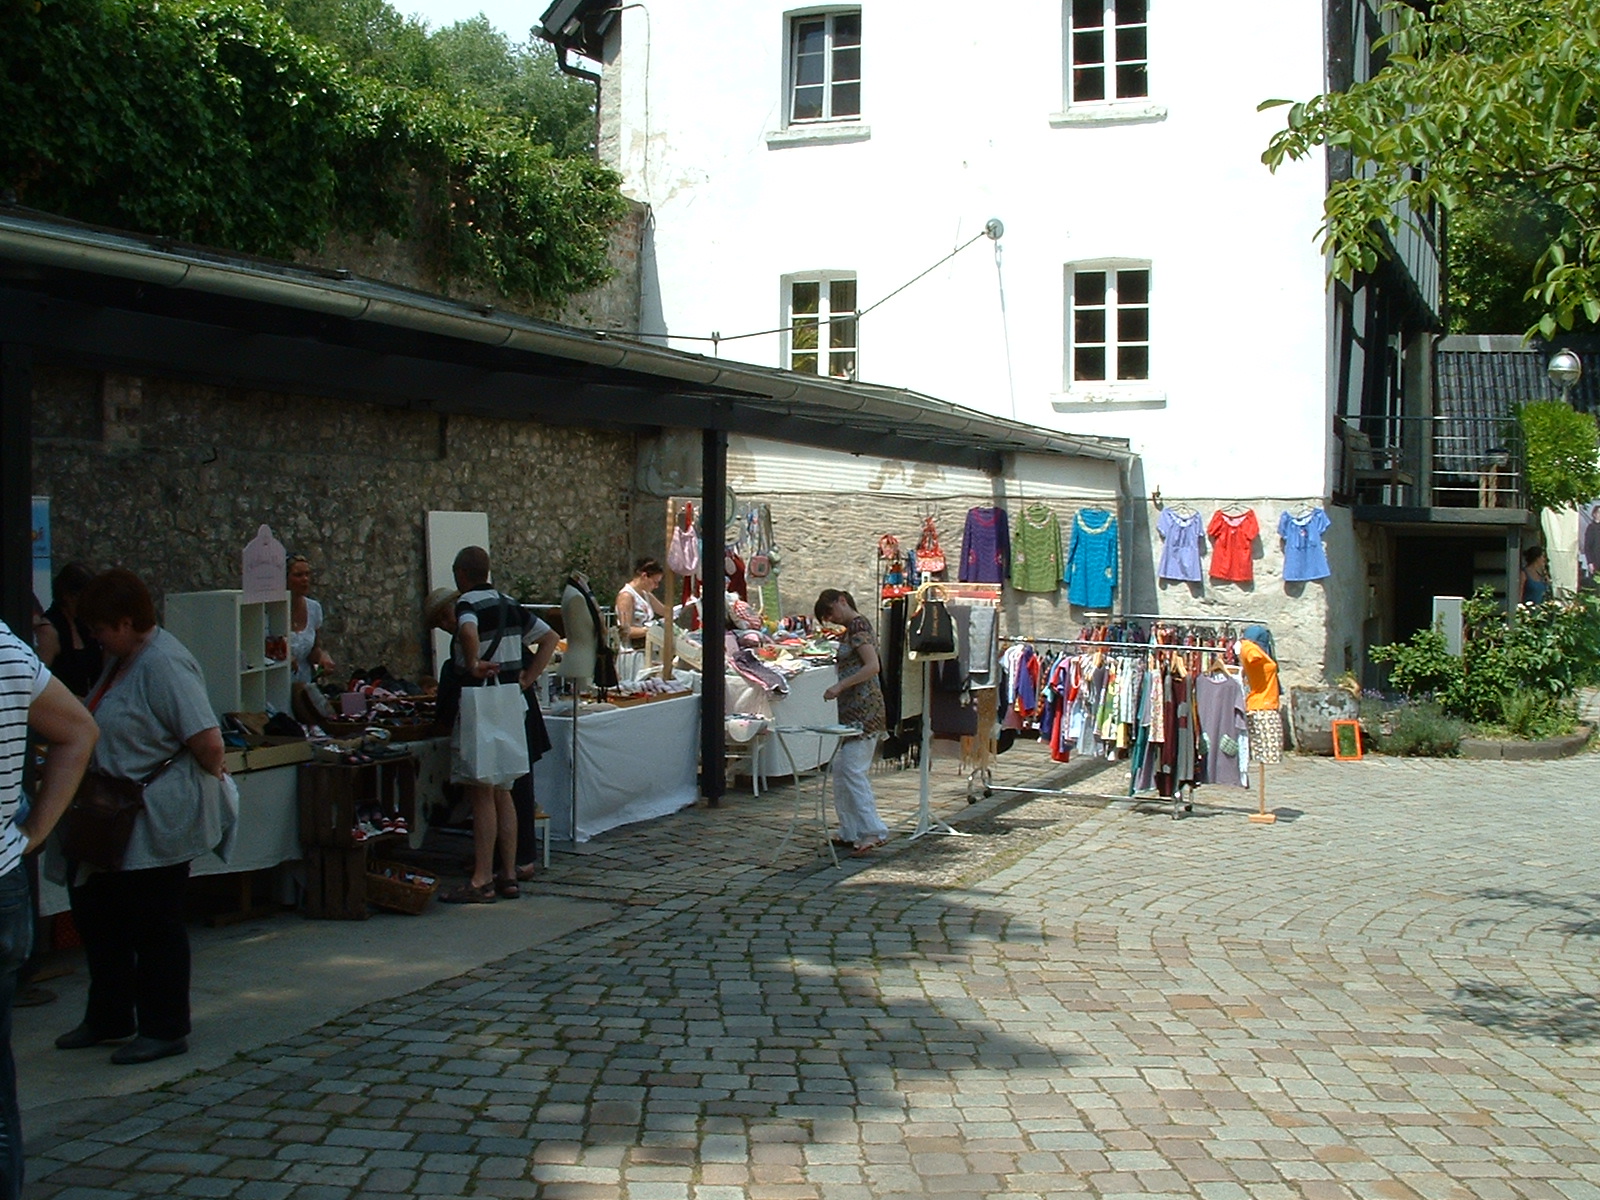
467, 894
864, 851
507, 889
526, 872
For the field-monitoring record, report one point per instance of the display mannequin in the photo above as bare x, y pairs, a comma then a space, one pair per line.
577, 660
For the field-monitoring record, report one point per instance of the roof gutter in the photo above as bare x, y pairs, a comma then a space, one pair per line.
80, 249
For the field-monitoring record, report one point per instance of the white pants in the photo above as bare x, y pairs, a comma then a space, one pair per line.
852, 793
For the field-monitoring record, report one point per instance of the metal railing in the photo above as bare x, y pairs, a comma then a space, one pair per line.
1443, 461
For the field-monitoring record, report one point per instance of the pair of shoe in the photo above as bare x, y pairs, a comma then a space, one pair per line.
141, 1049
467, 893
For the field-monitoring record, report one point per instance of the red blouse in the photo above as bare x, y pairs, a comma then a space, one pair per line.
1232, 539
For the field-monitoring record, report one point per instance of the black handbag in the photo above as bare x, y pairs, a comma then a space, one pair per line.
931, 634
98, 824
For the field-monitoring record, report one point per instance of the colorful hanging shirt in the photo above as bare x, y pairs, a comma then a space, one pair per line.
1303, 555
1036, 563
1233, 542
1091, 575
986, 547
1180, 551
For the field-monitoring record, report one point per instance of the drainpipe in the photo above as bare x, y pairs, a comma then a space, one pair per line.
577, 72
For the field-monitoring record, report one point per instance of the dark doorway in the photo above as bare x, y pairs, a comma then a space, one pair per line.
1425, 567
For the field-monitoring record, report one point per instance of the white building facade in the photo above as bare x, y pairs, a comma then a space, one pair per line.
1153, 281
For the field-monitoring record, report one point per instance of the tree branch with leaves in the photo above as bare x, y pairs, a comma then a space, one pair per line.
1480, 103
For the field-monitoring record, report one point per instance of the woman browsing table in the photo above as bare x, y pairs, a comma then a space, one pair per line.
638, 607
153, 714
305, 624
860, 700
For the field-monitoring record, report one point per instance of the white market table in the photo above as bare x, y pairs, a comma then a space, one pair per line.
634, 764
800, 710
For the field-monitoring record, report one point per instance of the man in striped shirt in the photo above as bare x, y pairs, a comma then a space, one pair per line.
29, 695
491, 631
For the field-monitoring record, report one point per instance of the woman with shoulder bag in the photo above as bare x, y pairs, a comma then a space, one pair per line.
156, 725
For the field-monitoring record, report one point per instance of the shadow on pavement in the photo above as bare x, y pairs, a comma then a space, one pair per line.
1571, 1018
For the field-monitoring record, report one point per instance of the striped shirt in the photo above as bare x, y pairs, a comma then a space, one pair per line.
22, 679
485, 608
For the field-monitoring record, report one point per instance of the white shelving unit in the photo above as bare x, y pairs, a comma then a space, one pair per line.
229, 639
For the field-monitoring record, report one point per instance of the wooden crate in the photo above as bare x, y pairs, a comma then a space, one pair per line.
336, 883
331, 794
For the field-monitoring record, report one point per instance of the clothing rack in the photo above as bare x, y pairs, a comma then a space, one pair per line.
1182, 799
1110, 644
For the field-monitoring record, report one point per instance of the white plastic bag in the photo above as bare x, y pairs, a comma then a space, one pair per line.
494, 740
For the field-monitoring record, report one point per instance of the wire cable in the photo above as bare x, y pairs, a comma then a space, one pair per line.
992, 229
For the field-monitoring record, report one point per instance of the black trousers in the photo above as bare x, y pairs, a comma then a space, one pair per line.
137, 947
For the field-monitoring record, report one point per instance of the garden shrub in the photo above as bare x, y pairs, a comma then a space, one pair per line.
1424, 731
1547, 650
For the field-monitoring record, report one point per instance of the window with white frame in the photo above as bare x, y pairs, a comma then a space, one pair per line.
825, 67
1108, 324
822, 325
1107, 51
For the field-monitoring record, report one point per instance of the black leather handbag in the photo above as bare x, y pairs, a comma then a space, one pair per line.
98, 824
931, 634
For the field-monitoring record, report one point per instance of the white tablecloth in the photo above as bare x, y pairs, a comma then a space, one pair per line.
633, 764
803, 705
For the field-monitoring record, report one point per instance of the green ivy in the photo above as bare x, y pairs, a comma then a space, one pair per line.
213, 121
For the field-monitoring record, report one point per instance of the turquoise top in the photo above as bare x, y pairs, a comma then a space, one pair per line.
1091, 574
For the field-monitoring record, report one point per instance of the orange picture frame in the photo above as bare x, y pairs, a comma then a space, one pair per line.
1347, 741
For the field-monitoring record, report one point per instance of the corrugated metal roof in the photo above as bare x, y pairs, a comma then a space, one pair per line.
71, 288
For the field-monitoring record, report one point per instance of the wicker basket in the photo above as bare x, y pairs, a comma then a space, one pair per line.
397, 895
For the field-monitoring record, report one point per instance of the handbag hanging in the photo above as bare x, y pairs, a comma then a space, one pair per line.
931, 632
894, 572
760, 564
930, 558
98, 824
683, 552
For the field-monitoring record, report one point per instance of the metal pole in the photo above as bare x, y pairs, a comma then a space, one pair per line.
713, 616
16, 488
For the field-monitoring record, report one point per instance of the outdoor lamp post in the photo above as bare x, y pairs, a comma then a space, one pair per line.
1565, 369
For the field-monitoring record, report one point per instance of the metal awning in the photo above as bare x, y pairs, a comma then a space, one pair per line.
136, 302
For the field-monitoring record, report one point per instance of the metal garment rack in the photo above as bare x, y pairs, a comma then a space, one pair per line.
1182, 800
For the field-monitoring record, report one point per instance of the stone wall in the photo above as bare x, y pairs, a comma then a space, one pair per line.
171, 479
1316, 626
413, 262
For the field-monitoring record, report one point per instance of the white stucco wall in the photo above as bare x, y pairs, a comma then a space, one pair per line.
959, 115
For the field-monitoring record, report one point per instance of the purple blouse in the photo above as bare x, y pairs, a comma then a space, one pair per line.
1180, 551
986, 547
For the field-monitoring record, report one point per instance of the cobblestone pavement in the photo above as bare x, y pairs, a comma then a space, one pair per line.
1391, 993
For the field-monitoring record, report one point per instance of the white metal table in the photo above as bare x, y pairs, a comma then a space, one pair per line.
838, 733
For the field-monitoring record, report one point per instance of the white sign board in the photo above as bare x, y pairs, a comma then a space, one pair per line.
263, 568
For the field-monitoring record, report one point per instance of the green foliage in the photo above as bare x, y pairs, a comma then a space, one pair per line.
1495, 241
1479, 101
220, 122
1530, 714
1421, 667
1563, 454
1424, 731
1549, 650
